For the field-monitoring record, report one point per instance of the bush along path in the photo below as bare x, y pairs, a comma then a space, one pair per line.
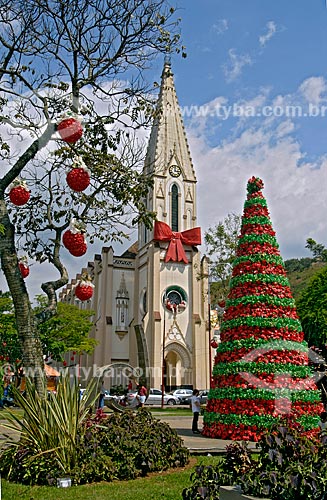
261, 372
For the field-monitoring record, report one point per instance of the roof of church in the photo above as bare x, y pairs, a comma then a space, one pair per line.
168, 143
131, 252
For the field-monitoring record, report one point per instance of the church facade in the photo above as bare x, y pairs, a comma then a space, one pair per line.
151, 302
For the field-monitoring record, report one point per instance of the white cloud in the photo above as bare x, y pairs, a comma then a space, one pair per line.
271, 30
313, 89
220, 26
236, 63
295, 187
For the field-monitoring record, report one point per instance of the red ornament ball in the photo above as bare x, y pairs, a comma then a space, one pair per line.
75, 243
19, 195
24, 270
214, 344
70, 130
83, 292
78, 179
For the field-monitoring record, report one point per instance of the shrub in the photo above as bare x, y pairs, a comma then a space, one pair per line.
205, 485
135, 442
290, 465
84, 447
207, 479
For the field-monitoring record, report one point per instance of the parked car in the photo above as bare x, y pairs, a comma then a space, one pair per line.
183, 394
203, 397
111, 397
154, 398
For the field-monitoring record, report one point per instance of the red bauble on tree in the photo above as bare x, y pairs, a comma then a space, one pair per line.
78, 178
84, 290
19, 193
75, 243
24, 269
70, 130
73, 239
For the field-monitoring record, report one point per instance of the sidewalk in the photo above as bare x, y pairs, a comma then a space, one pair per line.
196, 443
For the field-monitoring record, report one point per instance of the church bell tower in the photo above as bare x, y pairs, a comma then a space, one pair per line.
170, 316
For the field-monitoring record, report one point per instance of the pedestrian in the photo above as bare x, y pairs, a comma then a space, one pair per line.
141, 395
323, 421
102, 395
195, 403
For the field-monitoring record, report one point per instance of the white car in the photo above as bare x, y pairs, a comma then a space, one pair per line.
155, 398
183, 394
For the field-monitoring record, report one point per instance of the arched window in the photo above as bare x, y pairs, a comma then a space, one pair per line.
174, 208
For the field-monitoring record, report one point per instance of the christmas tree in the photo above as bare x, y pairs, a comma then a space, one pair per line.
261, 372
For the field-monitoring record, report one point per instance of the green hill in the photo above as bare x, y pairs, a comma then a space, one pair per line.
301, 275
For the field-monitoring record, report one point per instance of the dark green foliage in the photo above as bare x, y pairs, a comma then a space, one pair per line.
288, 466
221, 242
312, 310
318, 250
118, 390
291, 466
206, 479
238, 460
292, 265
299, 280
206, 484
118, 446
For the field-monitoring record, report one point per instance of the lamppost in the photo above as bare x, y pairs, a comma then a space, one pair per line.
209, 328
163, 354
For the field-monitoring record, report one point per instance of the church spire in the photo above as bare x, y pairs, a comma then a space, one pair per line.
168, 143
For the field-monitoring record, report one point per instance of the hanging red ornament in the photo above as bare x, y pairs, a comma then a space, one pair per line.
78, 178
75, 243
73, 239
24, 269
70, 130
19, 193
84, 290
64, 363
214, 343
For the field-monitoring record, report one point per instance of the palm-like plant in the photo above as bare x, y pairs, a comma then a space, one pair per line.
50, 427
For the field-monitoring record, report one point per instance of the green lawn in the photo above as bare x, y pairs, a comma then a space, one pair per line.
167, 485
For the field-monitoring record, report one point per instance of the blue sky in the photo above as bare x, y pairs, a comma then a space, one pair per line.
258, 53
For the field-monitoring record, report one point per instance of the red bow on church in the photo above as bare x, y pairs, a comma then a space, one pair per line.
175, 251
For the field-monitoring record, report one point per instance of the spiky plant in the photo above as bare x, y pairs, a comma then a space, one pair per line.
50, 425
261, 372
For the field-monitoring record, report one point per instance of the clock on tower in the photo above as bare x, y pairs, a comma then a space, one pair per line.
175, 170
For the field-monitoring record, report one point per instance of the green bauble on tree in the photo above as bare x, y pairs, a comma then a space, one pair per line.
261, 372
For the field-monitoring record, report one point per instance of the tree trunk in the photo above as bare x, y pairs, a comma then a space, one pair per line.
32, 349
